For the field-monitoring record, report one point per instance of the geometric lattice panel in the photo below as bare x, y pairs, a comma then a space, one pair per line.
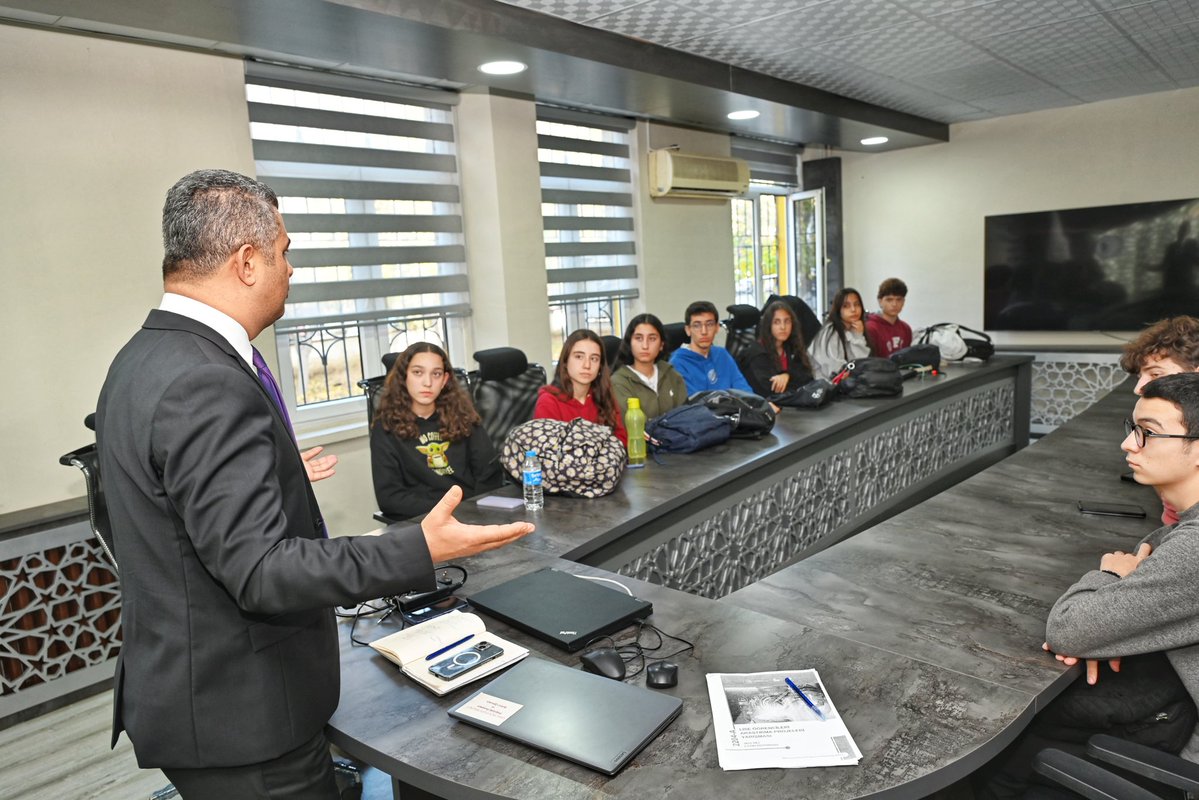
1063, 388
61, 613
752, 538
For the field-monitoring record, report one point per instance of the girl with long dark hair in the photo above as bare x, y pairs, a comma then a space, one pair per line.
581, 386
777, 362
644, 372
843, 337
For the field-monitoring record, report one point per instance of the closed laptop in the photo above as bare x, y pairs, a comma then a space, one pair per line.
597, 722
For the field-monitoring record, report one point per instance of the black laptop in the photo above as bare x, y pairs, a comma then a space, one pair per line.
563, 609
597, 722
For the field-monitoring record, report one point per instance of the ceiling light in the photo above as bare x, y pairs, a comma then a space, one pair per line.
744, 114
875, 140
503, 67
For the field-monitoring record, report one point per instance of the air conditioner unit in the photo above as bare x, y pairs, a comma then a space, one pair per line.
675, 174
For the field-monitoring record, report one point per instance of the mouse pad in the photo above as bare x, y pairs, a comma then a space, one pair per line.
597, 722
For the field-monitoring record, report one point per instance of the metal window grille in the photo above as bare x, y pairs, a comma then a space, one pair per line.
367, 178
587, 211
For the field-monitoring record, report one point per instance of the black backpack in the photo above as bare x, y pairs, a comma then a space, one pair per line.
870, 377
751, 414
686, 429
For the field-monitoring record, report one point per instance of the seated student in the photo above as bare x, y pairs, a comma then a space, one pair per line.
427, 437
1166, 347
885, 331
1138, 609
581, 386
643, 373
702, 364
777, 361
843, 337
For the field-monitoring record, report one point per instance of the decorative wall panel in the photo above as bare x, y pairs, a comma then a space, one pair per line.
1066, 384
755, 536
60, 614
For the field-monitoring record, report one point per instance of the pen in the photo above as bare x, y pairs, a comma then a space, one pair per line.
450, 647
805, 698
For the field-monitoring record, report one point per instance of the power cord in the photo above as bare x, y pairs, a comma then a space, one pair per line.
635, 650
447, 584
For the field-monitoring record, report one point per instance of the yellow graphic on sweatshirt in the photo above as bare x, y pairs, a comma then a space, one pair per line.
433, 449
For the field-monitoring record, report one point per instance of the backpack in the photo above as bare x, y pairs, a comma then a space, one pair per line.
688, 428
816, 393
751, 414
870, 377
955, 344
578, 458
921, 355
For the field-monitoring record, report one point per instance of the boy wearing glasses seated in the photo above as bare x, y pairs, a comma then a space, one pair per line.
1138, 610
703, 364
1166, 347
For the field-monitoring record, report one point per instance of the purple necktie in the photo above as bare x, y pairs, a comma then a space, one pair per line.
272, 388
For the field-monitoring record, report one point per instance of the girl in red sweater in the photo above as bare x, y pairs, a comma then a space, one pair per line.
581, 386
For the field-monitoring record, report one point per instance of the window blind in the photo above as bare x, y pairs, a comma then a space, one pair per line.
769, 162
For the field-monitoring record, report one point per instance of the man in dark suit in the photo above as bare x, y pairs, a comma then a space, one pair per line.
230, 669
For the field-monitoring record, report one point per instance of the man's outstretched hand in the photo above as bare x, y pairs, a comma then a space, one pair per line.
1092, 664
449, 539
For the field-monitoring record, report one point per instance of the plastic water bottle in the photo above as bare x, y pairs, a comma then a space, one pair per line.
530, 477
634, 423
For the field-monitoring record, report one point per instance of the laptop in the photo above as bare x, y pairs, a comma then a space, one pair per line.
560, 608
594, 721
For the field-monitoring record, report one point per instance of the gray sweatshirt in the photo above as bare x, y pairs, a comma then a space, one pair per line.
1154, 608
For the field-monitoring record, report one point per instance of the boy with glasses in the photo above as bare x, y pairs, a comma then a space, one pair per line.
703, 364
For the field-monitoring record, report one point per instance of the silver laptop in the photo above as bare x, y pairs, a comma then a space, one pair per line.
594, 721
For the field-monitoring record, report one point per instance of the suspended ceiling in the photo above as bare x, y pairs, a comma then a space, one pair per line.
828, 71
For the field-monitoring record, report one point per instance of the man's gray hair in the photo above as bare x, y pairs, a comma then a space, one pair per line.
208, 215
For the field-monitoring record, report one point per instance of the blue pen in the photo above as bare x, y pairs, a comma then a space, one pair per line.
805, 698
450, 647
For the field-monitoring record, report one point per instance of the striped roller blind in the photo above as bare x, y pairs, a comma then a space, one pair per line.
769, 162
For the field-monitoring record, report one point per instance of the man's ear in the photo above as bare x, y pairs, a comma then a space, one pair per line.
245, 264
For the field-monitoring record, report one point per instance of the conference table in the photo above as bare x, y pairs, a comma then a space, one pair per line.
925, 626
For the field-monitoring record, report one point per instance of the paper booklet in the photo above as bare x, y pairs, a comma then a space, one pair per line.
415, 649
762, 722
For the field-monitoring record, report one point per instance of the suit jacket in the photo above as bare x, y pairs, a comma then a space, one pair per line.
230, 651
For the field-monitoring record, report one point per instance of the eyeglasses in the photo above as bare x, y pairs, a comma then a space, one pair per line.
1140, 434
707, 325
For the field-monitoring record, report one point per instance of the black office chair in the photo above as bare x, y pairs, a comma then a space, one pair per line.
611, 351
676, 336
504, 389
87, 460
809, 321
742, 327
1099, 783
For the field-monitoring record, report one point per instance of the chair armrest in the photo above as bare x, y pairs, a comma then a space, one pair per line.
1089, 780
1147, 761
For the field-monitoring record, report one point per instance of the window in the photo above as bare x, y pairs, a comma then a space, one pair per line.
778, 233
366, 175
587, 212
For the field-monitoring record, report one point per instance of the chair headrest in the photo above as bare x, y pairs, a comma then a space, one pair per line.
501, 363
389, 361
742, 317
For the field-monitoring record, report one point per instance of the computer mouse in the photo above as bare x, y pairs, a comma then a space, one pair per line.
604, 661
662, 675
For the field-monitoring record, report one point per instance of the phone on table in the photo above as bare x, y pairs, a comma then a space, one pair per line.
1105, 509
466, 660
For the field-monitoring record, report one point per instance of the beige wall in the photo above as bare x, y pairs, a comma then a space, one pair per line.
686, 249
918, 213
92, 133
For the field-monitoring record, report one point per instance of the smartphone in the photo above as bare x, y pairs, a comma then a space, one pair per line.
433, 610
465, 660
1105, 509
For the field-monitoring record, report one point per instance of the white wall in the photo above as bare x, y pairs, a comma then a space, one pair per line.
93, 133
918, 214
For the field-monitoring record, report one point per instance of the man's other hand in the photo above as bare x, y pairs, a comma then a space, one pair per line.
1124, 564
318, 468
449, 539
1092, 664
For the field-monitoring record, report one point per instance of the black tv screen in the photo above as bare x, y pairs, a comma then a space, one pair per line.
1113, 268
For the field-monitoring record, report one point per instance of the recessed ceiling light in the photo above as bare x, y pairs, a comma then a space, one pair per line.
747, 114
875, 140
503, 67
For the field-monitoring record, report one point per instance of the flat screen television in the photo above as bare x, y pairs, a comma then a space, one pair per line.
1106, 268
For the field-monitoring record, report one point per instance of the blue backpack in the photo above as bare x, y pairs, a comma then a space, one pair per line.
688, 428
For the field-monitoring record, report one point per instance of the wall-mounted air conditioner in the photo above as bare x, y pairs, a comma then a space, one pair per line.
675, 174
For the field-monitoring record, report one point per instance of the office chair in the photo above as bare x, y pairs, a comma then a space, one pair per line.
676, 337
504, 389
87, 460
742, 327
1096, 782
809, 321
611, 351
